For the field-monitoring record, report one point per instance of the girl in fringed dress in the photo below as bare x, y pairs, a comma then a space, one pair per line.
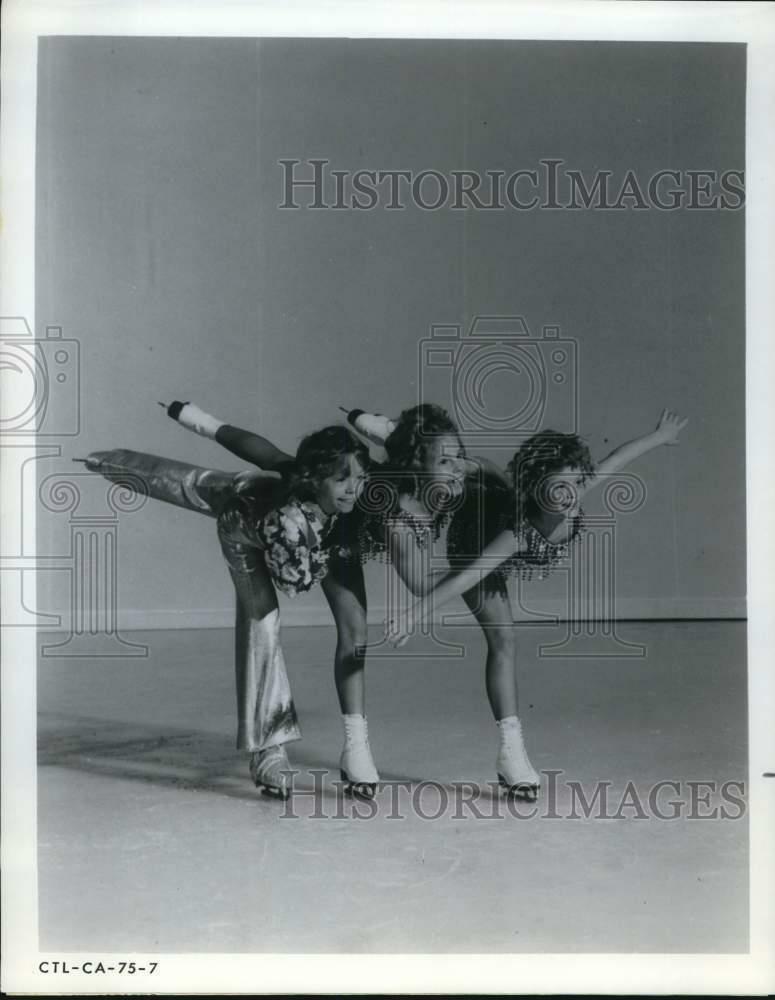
498, 524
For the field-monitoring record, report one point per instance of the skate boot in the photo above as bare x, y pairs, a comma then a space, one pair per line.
269, 770
373, 426
515, 772
193, 418
356, 766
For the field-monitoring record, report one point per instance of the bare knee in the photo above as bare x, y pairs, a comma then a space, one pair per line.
501, 641
351, 642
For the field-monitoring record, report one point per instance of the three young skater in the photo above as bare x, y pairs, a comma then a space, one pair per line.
302, 530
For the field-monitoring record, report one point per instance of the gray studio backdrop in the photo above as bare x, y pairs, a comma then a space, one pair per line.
161, 249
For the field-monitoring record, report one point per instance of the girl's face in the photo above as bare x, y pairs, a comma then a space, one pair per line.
338, 492
445, 462
559, 492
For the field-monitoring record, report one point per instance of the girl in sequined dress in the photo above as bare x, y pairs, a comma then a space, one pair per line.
498, 524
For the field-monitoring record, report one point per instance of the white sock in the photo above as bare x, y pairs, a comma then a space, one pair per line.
196, 420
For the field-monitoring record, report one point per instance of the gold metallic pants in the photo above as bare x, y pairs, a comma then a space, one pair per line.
265, 712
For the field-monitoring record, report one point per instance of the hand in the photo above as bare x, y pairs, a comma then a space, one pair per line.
399, 628
670, 426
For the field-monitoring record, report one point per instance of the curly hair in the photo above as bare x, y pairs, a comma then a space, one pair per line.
540, 456
319, 455
409, 444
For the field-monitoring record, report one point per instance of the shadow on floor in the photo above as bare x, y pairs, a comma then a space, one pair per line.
168, 757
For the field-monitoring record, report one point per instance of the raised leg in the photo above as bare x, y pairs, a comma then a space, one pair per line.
253, 448
245, 444
190, 486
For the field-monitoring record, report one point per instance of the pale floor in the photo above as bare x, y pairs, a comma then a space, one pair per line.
152, 837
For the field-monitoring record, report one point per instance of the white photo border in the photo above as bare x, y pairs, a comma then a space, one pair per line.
24, 21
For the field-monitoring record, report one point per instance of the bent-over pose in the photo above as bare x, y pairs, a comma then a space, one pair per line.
282, 534
499, 524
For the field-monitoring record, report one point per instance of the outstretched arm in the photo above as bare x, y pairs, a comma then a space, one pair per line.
668, 428
410, 561
555, 520
557, 525
452, 584
437, 590
244, 444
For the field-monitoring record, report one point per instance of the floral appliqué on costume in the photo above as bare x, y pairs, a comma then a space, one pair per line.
293, 538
